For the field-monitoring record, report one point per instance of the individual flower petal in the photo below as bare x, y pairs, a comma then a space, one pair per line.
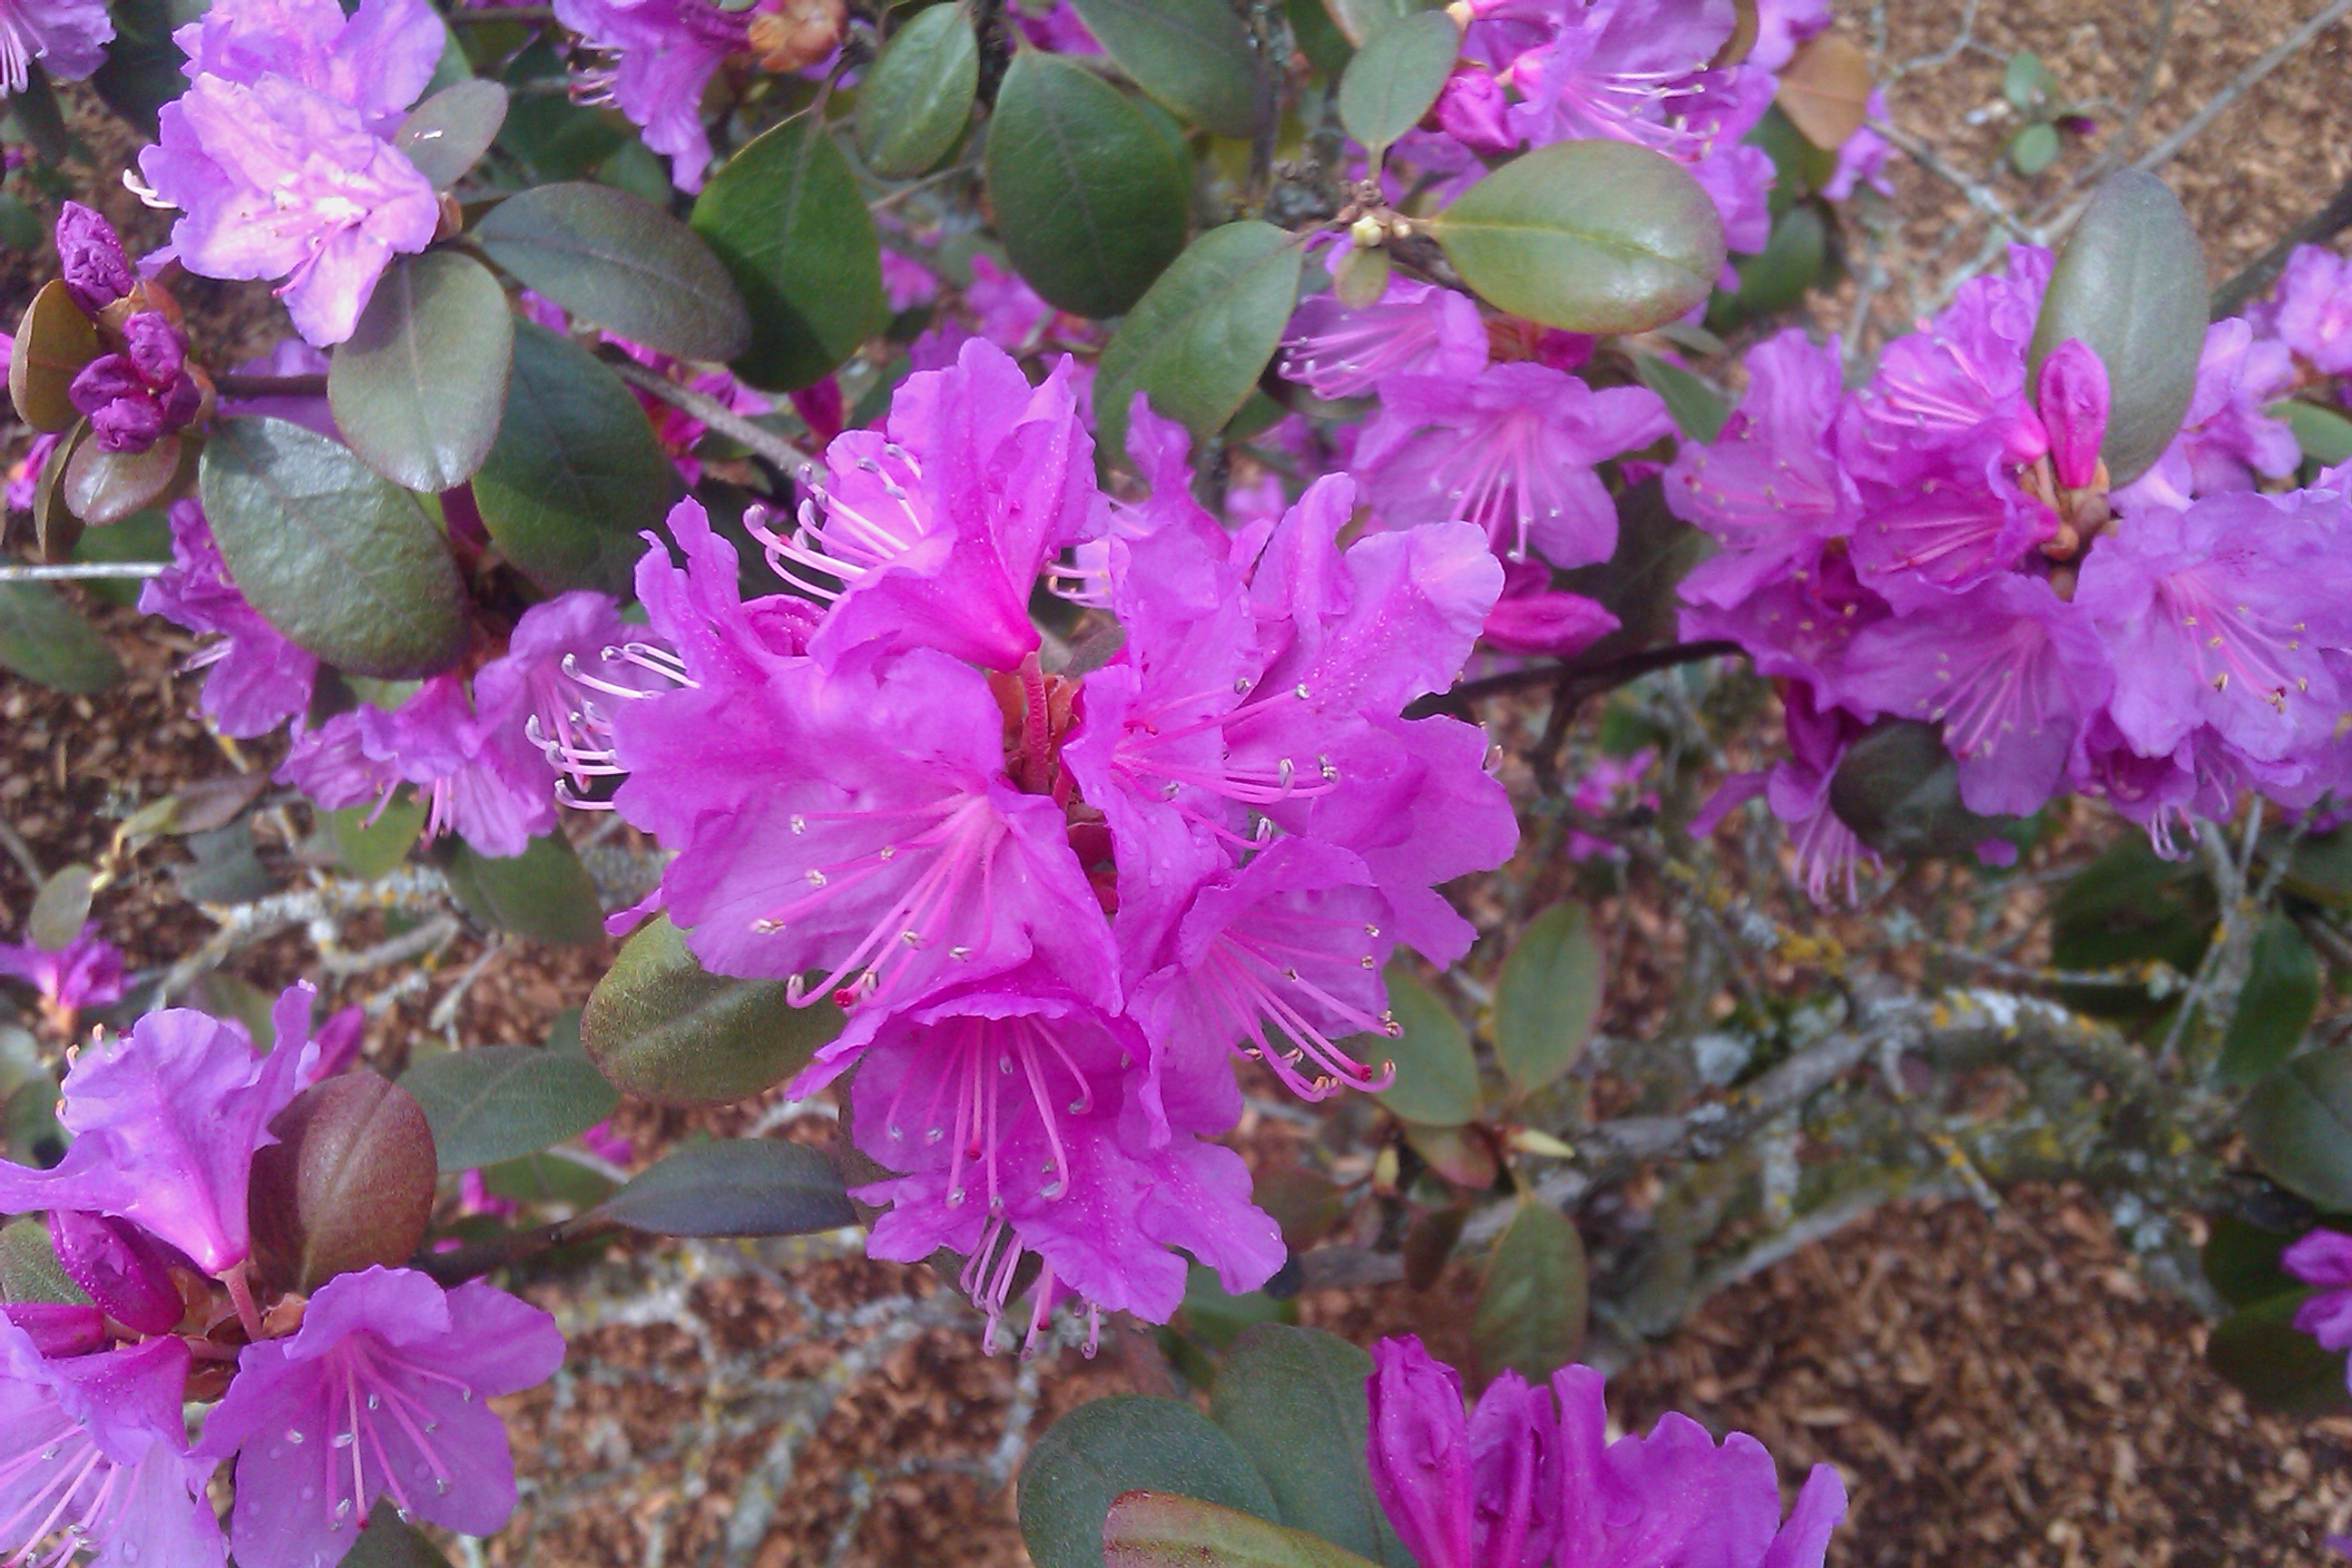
1413, 329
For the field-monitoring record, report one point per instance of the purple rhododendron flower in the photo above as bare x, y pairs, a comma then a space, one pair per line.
1862, 161
2313, 309
255, 678
69, 37
93, 1456
662, 54
120, 1266
89, 257
2324, 1258
1024, 1121
478, 773
1414, 328
1056, 28
1638, 71
1005, 309
553, 679
1531, 617
381, 1393
277, 154
165, 1122
1512, 450
2229, 436
1528, 1477
85, 973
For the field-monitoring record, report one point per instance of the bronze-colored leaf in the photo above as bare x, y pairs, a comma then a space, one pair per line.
52, 345
1824, 87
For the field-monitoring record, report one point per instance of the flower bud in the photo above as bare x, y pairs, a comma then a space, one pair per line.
349, 1182
90, 260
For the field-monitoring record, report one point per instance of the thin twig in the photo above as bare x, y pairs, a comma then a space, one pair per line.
1979, 196
785, 455
82, 570
241, 383
21, 853
2142, 91
1596, 677
2276, 56
2259, 274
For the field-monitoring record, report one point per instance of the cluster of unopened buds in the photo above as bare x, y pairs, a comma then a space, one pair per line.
211, 1249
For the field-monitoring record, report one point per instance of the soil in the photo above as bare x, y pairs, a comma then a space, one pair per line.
1995, 1388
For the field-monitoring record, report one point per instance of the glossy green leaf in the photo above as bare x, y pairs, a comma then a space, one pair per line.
1089, 198
1899, 791
53, 342
737, 1187
345, 564
1119, 1444
1776, 276
552, 1178
543, 894
1530, 1313
1699, 410
44, 640
1193, 55
576, 475
915, 102
2325, 435
1159, 1530
2129, 282
29, 1269
1215, 1315
144, 536
418, 388
2298, 1126
2275, 1005
1294, 1400
103, 488
1395, 79
491, 1103
1437, 1074
1360, 20
1587, 236
144, 68
788, 219
2259, 1350
370, 840
619, 262
2035, 148
664, 1029
2241, 1261
448, 133
61, 908
1546, 996
1197, 340
387, 1543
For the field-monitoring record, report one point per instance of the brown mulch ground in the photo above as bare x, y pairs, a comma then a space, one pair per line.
1996, 1389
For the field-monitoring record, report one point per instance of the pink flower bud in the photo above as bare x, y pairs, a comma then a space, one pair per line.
2071, 394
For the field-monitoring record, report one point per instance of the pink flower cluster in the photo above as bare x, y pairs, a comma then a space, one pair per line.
1944, 545
1054, 887
378, 1395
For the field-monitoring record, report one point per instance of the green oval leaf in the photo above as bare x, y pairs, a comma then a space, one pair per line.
1158, 1530
2129, 282
1192, 56
2298, 1126
1776, 276
448, 132
1394, 79
343, 563
370, 840
543, 894
1587, 236
53, 342
387, 1543
664, 1029
418, 388
1530, 1313
913, 106
1089, 197
2275, 1005
29, 1269
2324, 435
1436, 1075
1699, 410
1546, 996
1118, 1444
2241, 1261
788, 219
1198, 339
741, 1186
1294, 1400
42, 639
2259, 1350
552, 1178
619, 262
1899, 790
61, 908
576, 474
102, 487
2035, 148
1361, 20
492, 1103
